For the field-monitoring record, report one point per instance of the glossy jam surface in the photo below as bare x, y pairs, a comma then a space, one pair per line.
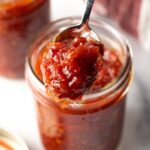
69, 67
90, 130
5, 146
20, 21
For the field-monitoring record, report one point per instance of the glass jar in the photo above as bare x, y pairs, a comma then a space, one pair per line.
117, 10
95, 124
20, 21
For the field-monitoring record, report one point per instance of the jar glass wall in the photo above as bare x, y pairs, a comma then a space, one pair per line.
20, 21
94, 124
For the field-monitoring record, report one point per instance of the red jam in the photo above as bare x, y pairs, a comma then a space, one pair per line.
69, 67
20, 21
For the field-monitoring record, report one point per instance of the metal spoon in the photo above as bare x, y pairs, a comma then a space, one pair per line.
81, 30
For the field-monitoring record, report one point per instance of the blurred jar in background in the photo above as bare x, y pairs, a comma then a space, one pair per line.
20, 21
132, 15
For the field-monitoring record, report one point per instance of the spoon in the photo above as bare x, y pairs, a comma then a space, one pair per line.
81, 30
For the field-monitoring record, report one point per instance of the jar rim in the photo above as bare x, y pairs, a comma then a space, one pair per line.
120, 79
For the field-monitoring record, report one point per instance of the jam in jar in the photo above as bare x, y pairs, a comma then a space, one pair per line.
89, 115
20, 21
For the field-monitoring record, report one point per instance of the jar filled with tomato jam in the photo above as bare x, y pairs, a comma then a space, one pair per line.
20, 21
95, 120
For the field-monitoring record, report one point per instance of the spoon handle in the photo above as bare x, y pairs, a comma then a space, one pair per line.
89, 5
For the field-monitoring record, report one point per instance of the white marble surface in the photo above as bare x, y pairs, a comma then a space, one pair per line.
17, 111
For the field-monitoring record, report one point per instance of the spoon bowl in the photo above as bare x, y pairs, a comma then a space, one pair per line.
81, 30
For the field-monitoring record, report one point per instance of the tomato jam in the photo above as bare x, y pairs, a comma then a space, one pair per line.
88, 115
20, 21
69, 67
5, 146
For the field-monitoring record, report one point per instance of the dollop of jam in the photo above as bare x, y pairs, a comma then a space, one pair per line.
109, 71
70, 67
